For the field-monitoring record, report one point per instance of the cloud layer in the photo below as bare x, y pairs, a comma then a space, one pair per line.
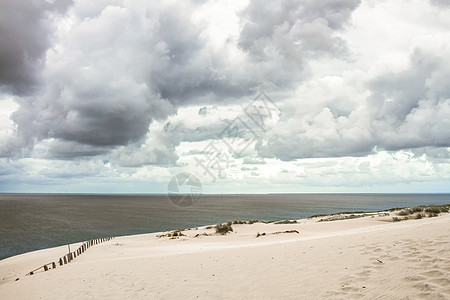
130, 84
113, 69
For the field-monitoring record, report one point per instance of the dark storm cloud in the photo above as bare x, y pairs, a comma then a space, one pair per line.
189, 70
118, 67
97, 95
25, 33
122, 66
61, 149
118, 70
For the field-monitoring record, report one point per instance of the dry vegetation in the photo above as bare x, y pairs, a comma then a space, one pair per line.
419, 212
346, 216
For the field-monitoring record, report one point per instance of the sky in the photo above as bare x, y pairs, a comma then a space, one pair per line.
295, 96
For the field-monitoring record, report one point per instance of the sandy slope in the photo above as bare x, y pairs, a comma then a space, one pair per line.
365, 258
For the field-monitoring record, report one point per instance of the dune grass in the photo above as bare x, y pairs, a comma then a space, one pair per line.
223, 228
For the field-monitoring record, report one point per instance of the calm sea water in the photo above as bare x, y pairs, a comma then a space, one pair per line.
31, 222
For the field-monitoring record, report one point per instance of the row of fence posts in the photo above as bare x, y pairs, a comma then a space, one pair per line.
72, 255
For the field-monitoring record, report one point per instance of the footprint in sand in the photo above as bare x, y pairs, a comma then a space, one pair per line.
442, 281
364, 274
437, 296
425, 287
432, 273
415, 278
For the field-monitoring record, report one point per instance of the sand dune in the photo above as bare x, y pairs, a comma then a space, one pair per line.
366, 258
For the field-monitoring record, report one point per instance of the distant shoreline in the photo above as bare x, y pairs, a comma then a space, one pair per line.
32, 222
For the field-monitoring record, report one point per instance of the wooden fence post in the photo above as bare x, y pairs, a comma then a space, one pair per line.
53, 265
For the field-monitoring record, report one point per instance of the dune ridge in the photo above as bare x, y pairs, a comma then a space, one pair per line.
365, 256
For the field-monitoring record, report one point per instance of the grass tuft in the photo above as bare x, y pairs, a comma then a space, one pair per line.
286, 222
239, 222
433, 210
223, 228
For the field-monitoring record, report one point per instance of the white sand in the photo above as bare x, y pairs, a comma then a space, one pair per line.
365, 258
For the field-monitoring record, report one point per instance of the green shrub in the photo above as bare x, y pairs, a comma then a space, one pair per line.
286, 222
419, 216
417, 209
223, 228
405, 212
444, 209
177, 233
433, 210
394, 209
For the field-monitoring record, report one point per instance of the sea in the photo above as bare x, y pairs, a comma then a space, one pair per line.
31, 222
